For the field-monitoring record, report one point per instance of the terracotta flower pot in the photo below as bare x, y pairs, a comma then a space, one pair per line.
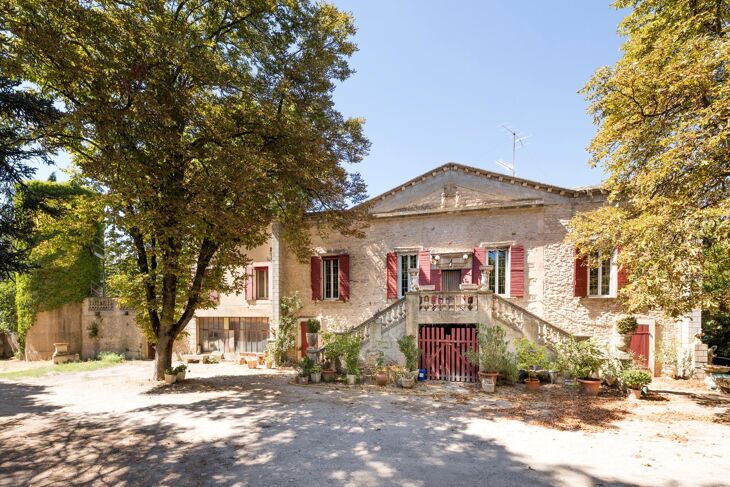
170, 378
329, 375
635, 393
381, 378
532, 384
252, 363
591, 387
303, 380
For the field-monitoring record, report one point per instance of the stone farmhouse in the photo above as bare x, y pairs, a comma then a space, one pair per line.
444, 251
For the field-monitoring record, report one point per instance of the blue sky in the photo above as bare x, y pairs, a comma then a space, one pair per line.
435, 80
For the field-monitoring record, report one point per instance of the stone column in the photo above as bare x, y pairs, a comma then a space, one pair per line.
486, 270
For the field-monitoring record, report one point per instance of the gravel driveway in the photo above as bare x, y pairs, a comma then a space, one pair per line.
227, 425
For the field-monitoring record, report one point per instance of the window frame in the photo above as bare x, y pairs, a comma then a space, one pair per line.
612, 279
335, 288
399, 272
507, 269
257, 288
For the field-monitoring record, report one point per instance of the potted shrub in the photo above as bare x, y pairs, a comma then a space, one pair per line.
531, 358
408, 379
316, 374
409, 348
170, 375
581, 359
331, 351
492, 357
351, 357
381, 376
626, 327
180, 371
611, 370
635, 379
313, 327
304, 366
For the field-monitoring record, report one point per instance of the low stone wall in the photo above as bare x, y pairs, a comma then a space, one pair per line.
94, 326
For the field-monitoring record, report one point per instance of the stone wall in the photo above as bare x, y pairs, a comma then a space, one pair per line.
116, 331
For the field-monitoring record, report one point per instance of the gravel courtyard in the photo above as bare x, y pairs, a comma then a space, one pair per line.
227, 425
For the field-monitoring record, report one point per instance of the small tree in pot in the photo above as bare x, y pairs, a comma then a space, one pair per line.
492, 357
626, 327
351, 356
409, 348
635, 380
332, 352
531, 357
381, 376
313, 327
304, 366
581, 359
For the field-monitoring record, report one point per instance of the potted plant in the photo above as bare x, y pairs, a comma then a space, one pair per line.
492, 357
581, 359
635, 379
626, 327
304, 366
408, 379
180, 371
531, 358
611, 370
381, 376
313, 327
170, 375
252, 362
316, 374
409, 348
331, 351
351, 357
553, 367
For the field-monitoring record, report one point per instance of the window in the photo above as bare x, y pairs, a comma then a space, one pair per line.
262, 283
331, 270
497, 258
600, 280
405, 263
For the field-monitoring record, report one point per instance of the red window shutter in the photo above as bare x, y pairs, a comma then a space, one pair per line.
343, 277
580, 276
480, 255
316, 277
621, 275
436, 279
517, 271
391, 275
466, 276
250, 283
424, 268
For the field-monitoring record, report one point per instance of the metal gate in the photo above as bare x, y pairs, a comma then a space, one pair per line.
442, 352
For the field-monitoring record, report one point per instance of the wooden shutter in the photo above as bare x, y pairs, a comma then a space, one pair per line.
517, 271
250, 283
315, 273
343, 277
480, 255
436, 279
580, 276
621, 275
391, 275
466, 276
424, 268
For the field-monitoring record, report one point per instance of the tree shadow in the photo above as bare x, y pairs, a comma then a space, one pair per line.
253, 430
17, 398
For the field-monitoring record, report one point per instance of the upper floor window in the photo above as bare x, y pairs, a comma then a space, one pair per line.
405, 263
262, 283
498, 258
331, 268
601, 280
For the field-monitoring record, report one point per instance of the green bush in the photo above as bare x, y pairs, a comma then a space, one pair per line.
351, 354
304, 366
111, 357
530, 356
313, 326
635, 378
580, 359
409, 347
493, 354
627, 325
8, 310
180, 368
285, 335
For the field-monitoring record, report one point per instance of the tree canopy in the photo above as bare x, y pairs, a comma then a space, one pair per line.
664, 140
202, 122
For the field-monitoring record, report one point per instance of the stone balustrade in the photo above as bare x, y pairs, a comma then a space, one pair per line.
437, 301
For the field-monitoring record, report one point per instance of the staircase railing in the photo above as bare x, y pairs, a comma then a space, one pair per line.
529, 324
387, 317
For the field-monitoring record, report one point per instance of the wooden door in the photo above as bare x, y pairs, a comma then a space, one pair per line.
442, 352
639, 346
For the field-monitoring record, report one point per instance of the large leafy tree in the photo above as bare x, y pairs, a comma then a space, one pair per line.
203, 122
663, 138
24, 116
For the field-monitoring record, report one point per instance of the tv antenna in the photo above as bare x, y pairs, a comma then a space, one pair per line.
517, 138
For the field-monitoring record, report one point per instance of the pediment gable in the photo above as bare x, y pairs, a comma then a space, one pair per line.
456, 187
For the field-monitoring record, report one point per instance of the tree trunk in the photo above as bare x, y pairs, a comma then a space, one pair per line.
163, 355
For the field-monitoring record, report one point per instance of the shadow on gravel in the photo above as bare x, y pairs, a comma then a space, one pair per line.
18, 398
266, 432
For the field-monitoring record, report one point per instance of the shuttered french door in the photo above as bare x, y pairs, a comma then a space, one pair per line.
450, 280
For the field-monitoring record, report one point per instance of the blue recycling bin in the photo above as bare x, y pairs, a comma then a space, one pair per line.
421, 375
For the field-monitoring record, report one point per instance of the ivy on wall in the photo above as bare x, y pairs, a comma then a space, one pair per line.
66, 220
8, 314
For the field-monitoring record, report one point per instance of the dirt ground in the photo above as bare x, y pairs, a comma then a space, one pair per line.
227, 425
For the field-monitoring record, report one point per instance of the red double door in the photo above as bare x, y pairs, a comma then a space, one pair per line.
443, 349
